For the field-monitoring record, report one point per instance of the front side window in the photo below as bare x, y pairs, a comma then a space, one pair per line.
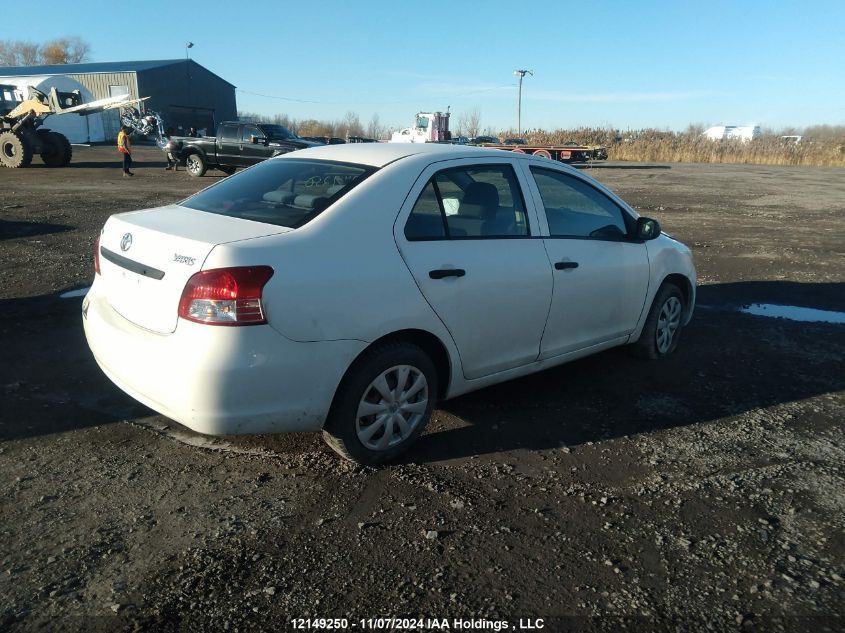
229, 133
575, 209
285, 192
469, 202
249, 132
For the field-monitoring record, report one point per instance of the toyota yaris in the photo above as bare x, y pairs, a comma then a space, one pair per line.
348, 288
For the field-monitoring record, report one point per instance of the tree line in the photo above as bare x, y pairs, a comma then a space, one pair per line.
62, 50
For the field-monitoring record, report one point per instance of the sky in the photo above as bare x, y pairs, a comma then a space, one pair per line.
629, 65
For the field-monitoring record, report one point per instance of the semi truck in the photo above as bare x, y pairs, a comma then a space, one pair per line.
433, 127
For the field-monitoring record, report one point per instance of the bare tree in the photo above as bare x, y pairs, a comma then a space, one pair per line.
351, 125
469, 123
18, 53
63, 50
29, 54
375, 129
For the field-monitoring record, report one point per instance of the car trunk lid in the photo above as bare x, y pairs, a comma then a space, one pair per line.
147, 257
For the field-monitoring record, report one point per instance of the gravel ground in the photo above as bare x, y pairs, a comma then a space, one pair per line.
704, 492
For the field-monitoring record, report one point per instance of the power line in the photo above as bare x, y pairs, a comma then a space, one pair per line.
359, 103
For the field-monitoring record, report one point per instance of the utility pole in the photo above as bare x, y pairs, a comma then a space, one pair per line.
520, 74
189, 45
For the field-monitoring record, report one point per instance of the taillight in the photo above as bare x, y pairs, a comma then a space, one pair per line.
226, 296
97, 255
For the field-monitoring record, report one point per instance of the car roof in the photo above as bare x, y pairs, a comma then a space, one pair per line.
381, 154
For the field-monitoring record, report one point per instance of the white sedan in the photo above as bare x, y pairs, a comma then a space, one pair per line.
348, 288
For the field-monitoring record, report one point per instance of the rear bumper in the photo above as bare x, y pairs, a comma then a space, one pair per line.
219, 380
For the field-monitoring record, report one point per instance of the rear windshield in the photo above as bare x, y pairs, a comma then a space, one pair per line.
287, 192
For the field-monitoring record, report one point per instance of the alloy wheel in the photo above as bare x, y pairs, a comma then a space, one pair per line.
192, 164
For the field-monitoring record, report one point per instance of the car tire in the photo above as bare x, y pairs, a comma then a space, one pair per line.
195, 164
662, 329
382, 404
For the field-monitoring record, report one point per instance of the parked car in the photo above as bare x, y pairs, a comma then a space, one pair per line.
324, 140
236, 145
479, 140
348, 288
514, 141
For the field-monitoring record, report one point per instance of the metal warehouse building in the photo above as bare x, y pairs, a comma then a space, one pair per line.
184, 93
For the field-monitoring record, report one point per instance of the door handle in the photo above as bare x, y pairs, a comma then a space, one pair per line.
442, 273
565, 265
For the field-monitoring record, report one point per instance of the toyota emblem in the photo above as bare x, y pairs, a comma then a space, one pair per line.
126, 242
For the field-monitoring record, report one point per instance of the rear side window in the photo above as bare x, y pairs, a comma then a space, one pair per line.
469, 202
575, 209
426, 221
285, 192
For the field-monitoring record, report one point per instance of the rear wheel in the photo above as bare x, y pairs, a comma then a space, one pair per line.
382, 404
15, 152
227, 169
662, 329
195, 165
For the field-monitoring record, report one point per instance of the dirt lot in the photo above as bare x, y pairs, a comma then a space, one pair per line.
705, 492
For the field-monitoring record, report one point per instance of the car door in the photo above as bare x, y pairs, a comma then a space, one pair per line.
229, 145
468, 239
601, 275
252, 153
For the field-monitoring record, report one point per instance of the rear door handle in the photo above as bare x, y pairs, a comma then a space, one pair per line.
442, 273
565, 265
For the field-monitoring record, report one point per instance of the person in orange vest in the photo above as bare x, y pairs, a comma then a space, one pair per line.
124, 146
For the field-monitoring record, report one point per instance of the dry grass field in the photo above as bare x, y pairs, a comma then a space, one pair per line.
690, 147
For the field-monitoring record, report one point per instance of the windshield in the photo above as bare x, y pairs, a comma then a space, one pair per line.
278, 132
286, 192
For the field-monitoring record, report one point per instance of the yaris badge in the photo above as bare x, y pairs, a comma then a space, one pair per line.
126, 242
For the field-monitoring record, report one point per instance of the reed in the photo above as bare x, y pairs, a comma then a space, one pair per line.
690, 147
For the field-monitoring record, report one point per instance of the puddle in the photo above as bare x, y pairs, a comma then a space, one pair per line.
73, 294
794, 313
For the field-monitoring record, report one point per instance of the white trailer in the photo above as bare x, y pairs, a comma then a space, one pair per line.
743, 133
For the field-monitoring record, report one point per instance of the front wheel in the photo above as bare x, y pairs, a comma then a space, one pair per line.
382, 404
15, 151
58, 150
195, 165
662, 329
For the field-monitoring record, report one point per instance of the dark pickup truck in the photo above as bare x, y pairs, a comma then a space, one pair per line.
236, 145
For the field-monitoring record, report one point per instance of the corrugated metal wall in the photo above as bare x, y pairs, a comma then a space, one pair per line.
98, 84
187, 94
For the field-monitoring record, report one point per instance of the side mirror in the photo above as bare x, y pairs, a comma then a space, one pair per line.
647, 229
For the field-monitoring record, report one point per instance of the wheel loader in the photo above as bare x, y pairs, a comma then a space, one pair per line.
22, 117
21, 131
